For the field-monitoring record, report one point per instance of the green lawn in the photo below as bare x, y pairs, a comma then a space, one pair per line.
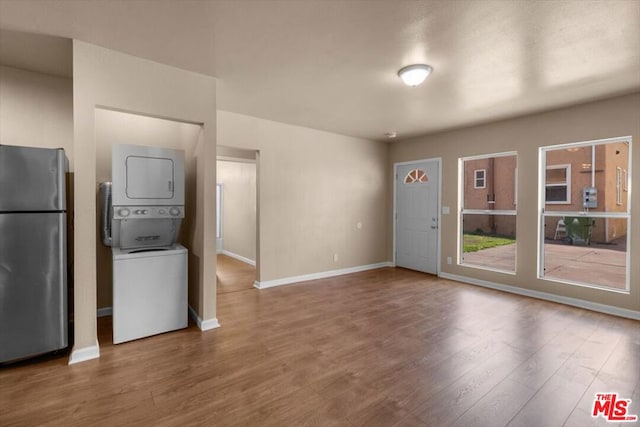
478, 242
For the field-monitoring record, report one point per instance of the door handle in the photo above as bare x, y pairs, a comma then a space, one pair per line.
433, 227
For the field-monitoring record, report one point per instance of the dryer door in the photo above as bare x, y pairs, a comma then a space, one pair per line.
149, 178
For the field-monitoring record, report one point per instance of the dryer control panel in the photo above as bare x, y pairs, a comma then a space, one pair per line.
148, 212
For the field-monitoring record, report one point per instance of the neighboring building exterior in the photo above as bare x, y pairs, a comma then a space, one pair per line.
609, 175
491, 184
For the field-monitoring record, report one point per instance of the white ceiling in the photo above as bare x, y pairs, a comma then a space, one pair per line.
332, 65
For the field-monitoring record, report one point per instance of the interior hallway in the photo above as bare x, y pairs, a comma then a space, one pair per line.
234, 275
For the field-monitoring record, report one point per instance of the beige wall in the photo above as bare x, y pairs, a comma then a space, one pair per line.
112, 128
36, 110
238, 181
315, 187
614, 117
104, 78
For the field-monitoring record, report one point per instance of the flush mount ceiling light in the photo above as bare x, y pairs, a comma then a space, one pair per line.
413, 75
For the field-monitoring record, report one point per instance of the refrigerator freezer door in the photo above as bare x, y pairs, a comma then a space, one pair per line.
33, 284
32, 179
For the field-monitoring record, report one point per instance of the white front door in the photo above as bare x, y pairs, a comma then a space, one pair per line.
417, 208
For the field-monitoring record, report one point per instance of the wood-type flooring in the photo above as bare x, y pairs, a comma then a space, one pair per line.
233, 275
387, 347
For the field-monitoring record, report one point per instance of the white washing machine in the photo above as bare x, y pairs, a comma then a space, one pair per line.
149, 292
142, 212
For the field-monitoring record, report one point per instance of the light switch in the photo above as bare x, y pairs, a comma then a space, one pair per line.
445, 210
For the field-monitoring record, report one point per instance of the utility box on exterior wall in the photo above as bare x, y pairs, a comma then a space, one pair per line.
590, 197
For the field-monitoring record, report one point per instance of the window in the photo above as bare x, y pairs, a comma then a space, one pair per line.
479, 180
583, 240
558, 184
416, 175
487, 212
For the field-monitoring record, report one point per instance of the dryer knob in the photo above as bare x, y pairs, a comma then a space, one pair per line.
174, 211
123, 212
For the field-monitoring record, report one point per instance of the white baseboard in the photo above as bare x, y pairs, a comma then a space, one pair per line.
593, 306
83, 354
203, 325
321, 275
238, 257
105, 311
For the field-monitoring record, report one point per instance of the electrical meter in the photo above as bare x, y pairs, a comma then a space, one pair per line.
590, 197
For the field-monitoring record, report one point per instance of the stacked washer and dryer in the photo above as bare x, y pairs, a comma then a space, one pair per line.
142, 210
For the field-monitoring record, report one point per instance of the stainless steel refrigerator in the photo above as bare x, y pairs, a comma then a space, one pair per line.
33, 252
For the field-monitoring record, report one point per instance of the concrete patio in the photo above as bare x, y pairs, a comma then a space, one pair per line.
600, 265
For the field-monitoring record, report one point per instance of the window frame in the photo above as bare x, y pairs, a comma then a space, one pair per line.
618, 186
543, 213
515, 184
475, 179
566, 184
496, 212
419, 174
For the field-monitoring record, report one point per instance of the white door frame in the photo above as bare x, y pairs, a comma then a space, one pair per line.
395, 209
255, 161
219, 215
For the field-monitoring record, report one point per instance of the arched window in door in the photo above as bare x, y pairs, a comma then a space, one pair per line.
416, 175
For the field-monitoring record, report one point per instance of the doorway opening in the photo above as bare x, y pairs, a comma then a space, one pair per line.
237, 219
